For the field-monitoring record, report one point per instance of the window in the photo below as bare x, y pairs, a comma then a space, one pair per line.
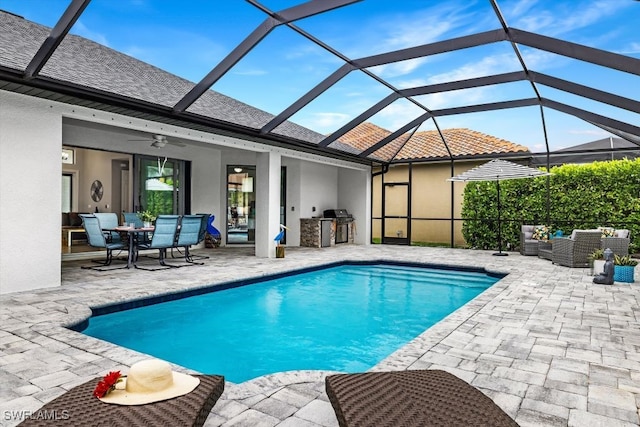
67, 187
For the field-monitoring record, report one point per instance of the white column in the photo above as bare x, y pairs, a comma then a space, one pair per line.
267, 203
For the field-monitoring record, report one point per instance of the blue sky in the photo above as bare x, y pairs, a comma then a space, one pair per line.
190, 38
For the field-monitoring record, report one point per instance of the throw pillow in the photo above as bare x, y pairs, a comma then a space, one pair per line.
541, 232
606, 231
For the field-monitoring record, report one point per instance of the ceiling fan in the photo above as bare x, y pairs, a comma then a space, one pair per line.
159, 141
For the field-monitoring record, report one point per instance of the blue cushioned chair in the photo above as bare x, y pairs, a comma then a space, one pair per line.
109, 220
96, 238
134, 218
189, 234
164, 237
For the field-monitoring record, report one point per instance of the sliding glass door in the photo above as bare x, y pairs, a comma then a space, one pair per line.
160, 185
241, 204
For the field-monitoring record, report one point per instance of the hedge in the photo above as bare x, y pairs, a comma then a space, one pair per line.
581, 196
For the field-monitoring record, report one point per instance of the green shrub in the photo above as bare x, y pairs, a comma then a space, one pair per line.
580, 196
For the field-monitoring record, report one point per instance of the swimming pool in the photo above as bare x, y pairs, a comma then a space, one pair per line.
346, 318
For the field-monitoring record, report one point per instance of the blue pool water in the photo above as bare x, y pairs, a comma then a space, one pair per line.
344, 318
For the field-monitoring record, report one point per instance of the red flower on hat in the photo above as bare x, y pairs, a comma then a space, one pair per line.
107, 384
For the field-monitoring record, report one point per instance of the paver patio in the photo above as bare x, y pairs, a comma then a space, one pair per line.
546, 344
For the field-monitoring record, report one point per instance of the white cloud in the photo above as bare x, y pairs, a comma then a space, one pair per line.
483, 67
323, 122
397, 115
80, 29
631, 49
401, 68
403, 84
553, 18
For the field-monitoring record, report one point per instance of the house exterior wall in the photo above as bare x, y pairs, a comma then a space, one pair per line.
33, 132
30, 193
431, 201
354, 196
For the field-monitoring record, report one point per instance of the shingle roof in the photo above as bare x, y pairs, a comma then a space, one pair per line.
428, 144
83, 62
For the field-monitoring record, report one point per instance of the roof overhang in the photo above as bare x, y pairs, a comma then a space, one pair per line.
45, 88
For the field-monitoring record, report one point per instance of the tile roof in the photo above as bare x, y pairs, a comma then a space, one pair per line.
428, 144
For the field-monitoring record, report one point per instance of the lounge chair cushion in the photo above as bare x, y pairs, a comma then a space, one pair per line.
411, 398
78, 407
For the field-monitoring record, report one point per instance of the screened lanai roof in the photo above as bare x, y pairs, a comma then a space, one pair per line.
544, 74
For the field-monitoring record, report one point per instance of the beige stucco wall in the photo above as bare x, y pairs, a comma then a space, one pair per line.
431, 204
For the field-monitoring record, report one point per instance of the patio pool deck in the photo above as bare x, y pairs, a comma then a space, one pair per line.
546, 344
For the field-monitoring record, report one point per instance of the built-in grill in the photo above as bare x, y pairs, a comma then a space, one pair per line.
343, 220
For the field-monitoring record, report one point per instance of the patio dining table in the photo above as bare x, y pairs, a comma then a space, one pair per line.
132, 235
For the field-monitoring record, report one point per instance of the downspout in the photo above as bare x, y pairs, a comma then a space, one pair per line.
385, 169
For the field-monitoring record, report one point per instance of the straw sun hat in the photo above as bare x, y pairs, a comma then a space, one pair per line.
150, 381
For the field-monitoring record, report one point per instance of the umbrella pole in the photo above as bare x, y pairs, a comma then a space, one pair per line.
499, 253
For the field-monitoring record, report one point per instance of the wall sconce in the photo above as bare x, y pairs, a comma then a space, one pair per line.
67, 156
247, 185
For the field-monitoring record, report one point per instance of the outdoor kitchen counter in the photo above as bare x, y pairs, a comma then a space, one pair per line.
317, 232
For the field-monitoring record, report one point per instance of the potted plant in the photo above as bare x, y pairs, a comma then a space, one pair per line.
596, 261
147, 218
624, 268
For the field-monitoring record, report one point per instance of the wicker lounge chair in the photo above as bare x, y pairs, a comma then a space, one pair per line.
410, 398
528, 245
575, 251
78, 407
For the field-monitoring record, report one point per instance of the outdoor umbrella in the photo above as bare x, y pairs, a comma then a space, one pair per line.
498, 170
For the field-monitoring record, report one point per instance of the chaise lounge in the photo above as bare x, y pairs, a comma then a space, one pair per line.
411, 398
78, 407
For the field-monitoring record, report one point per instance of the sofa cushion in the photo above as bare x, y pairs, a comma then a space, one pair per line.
621, 233
65, 219
74, 219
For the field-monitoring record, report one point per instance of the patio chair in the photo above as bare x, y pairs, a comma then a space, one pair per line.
189, 234
78, 407
164, 237
134, 218
411, 398
619, 243
201, 237
528, 245
109, 220
575, 250
97, 239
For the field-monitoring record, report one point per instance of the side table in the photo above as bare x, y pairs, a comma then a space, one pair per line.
545, 249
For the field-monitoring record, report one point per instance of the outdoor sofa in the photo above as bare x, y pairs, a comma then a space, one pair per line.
618, 243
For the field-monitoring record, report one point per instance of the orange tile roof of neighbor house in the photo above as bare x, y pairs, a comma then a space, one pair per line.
428, 144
